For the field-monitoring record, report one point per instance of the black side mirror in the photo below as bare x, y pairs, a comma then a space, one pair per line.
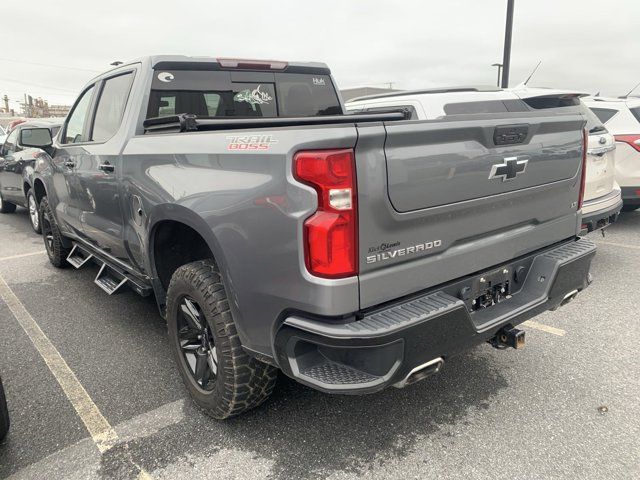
36, 137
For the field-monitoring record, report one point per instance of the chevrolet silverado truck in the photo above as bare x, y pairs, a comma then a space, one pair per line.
277, 232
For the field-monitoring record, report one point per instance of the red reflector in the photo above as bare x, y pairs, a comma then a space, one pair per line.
583, 177
252, 64
631, 140
330, 234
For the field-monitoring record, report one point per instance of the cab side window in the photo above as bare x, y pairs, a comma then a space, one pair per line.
77, 123
113, 99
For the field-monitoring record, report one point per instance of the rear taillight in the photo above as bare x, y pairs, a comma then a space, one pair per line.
330, 234
583, 177
631, 140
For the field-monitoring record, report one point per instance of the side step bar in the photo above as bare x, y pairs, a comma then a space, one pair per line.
110, 277
78, 257
109, 280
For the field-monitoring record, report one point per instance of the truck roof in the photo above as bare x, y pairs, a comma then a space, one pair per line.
206, 63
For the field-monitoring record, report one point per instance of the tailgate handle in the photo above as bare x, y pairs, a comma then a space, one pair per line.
510, 134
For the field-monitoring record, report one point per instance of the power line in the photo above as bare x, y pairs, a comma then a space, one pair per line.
50, 65
22, 82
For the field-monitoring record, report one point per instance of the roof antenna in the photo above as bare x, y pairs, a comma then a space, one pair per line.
597, 94
534, 71
631, 91
116, 63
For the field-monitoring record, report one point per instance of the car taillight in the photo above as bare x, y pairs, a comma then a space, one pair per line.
632, 140
330, 234
583, 177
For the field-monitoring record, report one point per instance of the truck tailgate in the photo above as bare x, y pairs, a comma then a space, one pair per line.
448, 198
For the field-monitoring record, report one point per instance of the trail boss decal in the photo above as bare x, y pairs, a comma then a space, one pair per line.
385, 252
253, 97
250, 142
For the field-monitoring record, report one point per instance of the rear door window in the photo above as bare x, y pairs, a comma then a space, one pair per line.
635, 112
604, 114
113, 99
594, 124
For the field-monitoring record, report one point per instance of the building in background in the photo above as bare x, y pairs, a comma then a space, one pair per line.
40, 108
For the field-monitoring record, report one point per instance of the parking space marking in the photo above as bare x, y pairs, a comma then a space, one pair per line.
99, 428
12, 257
616, 244
544, 328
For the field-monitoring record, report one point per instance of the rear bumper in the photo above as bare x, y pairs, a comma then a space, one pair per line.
380, 347
631, 195
600, 213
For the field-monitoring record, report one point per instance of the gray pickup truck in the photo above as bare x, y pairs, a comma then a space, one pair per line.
352, 252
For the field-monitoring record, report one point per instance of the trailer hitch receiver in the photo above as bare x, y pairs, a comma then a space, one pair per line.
508, 336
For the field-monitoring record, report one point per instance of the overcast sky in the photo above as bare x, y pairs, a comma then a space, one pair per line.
583, 44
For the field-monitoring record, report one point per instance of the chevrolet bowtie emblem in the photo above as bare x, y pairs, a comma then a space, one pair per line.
509, 169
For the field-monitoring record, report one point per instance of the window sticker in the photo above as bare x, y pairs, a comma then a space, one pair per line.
165, 77
319, 82
253, 97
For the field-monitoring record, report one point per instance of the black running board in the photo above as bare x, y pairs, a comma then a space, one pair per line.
110, 277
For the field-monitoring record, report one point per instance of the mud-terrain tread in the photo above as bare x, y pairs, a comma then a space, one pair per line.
245, 382
58, 257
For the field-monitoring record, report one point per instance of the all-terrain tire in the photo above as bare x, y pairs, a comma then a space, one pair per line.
241, 382
6, 207
4, 414
56, 251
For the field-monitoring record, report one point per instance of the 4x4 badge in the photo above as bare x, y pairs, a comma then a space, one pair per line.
509, 169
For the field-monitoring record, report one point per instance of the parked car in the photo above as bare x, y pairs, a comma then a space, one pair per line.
3, 134
353, 252
621, 116
16, 167
602, 199
4, 414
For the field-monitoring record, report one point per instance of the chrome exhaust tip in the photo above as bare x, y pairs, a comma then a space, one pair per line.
421, 372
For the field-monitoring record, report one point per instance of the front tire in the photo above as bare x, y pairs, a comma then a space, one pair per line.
222, 379
6, 207
34, 212
53, 241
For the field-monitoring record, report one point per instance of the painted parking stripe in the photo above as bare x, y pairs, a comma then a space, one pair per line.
12, 257
102, 433
544, 328
616, 244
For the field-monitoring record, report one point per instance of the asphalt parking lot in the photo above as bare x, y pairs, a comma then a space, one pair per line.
567, 406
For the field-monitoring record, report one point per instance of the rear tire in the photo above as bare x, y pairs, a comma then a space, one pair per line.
34, 212
6, 207
4, 414
200, 326
53, 240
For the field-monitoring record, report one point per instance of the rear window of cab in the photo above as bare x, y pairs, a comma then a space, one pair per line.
241, 94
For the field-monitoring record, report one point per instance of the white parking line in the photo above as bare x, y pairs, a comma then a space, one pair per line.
616, 244
102, 433
544, 328
39, 252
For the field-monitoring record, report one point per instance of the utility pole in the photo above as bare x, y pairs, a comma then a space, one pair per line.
499, 65
506, 59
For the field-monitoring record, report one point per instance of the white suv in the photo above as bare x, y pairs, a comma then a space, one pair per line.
602, 199
621, 116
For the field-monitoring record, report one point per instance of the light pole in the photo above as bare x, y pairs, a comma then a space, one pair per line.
499, 65
506, 59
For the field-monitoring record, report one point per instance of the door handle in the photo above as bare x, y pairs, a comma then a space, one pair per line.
106, 167
69, 163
